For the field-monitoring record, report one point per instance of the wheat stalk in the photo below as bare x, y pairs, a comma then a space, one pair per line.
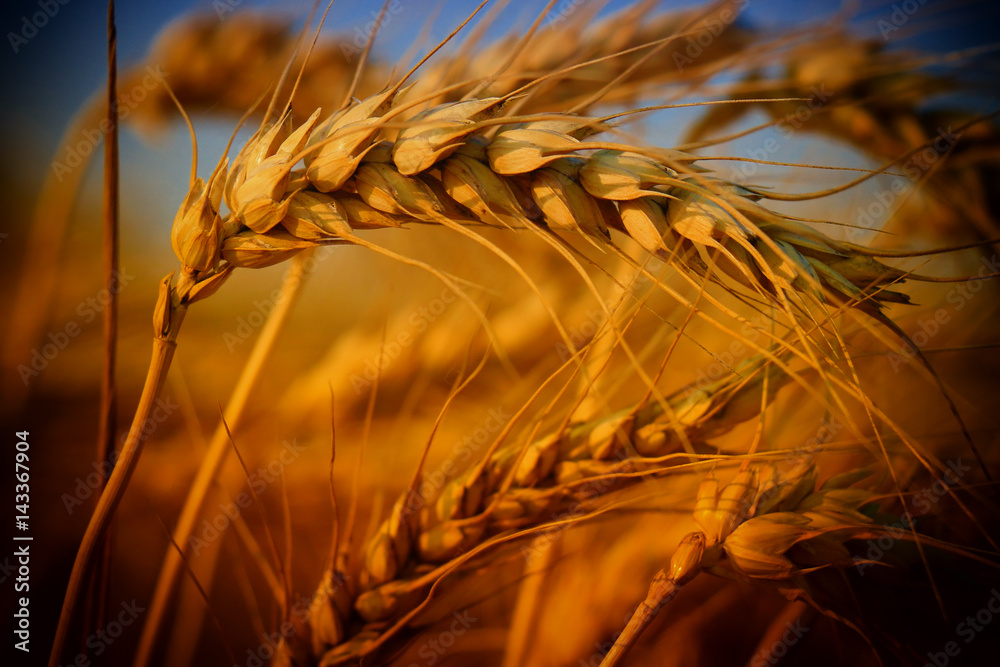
170, 310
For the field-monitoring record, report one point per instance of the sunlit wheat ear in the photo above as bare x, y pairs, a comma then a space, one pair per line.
206, 59
519, 486
774, 256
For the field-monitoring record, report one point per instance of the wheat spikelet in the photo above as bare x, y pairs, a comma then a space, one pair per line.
535, 173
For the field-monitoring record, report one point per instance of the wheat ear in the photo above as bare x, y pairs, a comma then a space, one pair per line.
513, 489
445, 170
611, 50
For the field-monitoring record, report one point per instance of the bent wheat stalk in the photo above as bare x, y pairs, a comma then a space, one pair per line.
215, 458
169, 314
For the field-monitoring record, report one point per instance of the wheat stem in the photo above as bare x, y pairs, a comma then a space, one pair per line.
167, 322
108, 423
661, 591
208, 471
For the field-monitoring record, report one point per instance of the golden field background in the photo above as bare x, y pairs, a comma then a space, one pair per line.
557, 599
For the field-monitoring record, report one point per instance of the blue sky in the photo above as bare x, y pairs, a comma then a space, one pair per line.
54, 71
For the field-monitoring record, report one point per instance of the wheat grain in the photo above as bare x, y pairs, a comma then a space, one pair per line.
754, 528
544, 160
520, 487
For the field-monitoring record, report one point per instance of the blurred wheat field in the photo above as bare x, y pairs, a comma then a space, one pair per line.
613, 333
